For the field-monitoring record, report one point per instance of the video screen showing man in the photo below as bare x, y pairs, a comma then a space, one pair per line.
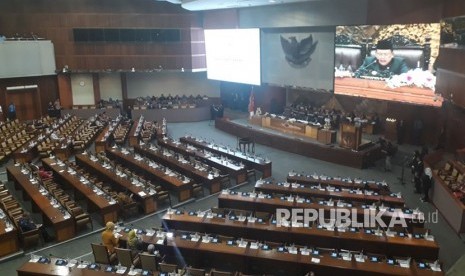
384, 64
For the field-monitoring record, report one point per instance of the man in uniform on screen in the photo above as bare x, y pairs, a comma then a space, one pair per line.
383, 64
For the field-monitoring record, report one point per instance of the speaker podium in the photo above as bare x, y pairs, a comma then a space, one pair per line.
351, 136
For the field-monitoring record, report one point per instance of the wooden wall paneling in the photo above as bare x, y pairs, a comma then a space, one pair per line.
96, 86
385, 12
27, 102
65, 91
453, 8
450, 85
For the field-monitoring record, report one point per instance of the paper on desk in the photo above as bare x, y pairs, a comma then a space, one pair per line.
142, 193
315, 260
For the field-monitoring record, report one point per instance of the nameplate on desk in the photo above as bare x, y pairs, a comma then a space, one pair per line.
316, 260
93, 266
61, 262
110, 269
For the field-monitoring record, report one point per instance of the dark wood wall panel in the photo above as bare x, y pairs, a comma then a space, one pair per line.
454, 8
47, 87
55, 20
404, 12
65, 91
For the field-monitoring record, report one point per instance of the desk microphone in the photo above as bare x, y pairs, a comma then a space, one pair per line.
366, 66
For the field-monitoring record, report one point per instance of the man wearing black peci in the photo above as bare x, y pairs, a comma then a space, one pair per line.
383, 64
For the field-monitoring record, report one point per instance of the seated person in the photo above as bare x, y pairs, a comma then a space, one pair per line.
124, 199
26, 223
108, 238
384, 64
134, 243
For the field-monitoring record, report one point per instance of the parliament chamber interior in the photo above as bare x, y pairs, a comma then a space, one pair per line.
198, 137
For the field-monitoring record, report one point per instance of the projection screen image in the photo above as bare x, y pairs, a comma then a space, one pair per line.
391, 62
298, 57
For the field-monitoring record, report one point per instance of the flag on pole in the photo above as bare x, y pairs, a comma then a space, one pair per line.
251, 102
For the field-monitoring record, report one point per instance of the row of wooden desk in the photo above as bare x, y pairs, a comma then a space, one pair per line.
8, 237
418, 248
271, 204
64, 225
377, 186
105, 138
260, 261
212, 182
147, 200
40, 269
251, 162
107, 208
336, 194
172, 183
238, 172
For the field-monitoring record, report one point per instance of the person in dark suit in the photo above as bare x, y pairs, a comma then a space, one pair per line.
383, 64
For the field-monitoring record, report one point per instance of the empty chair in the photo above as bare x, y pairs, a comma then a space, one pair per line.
30, 238
225, 181
251, 173
81, 218
126, 258
168, 268
197, 189
263, 215
148, 261
101, 254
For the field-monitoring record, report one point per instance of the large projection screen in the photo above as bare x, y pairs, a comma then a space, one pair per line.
388, 62
26, 58
233, 55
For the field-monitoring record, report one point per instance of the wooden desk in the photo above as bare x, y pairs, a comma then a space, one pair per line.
148, 202
105, 138
330, 181
306, 236
287, 126
172, 183
107, 209
255, 163
239, 173
8, 239
37, 269
279, 188
64, 227
213, 184
357, 159
134, 133
377, 89
326, 136
236, 201
258, 261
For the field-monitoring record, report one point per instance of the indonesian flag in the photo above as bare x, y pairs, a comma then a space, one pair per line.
251, 101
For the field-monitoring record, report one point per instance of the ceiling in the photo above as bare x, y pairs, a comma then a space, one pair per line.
200, 5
